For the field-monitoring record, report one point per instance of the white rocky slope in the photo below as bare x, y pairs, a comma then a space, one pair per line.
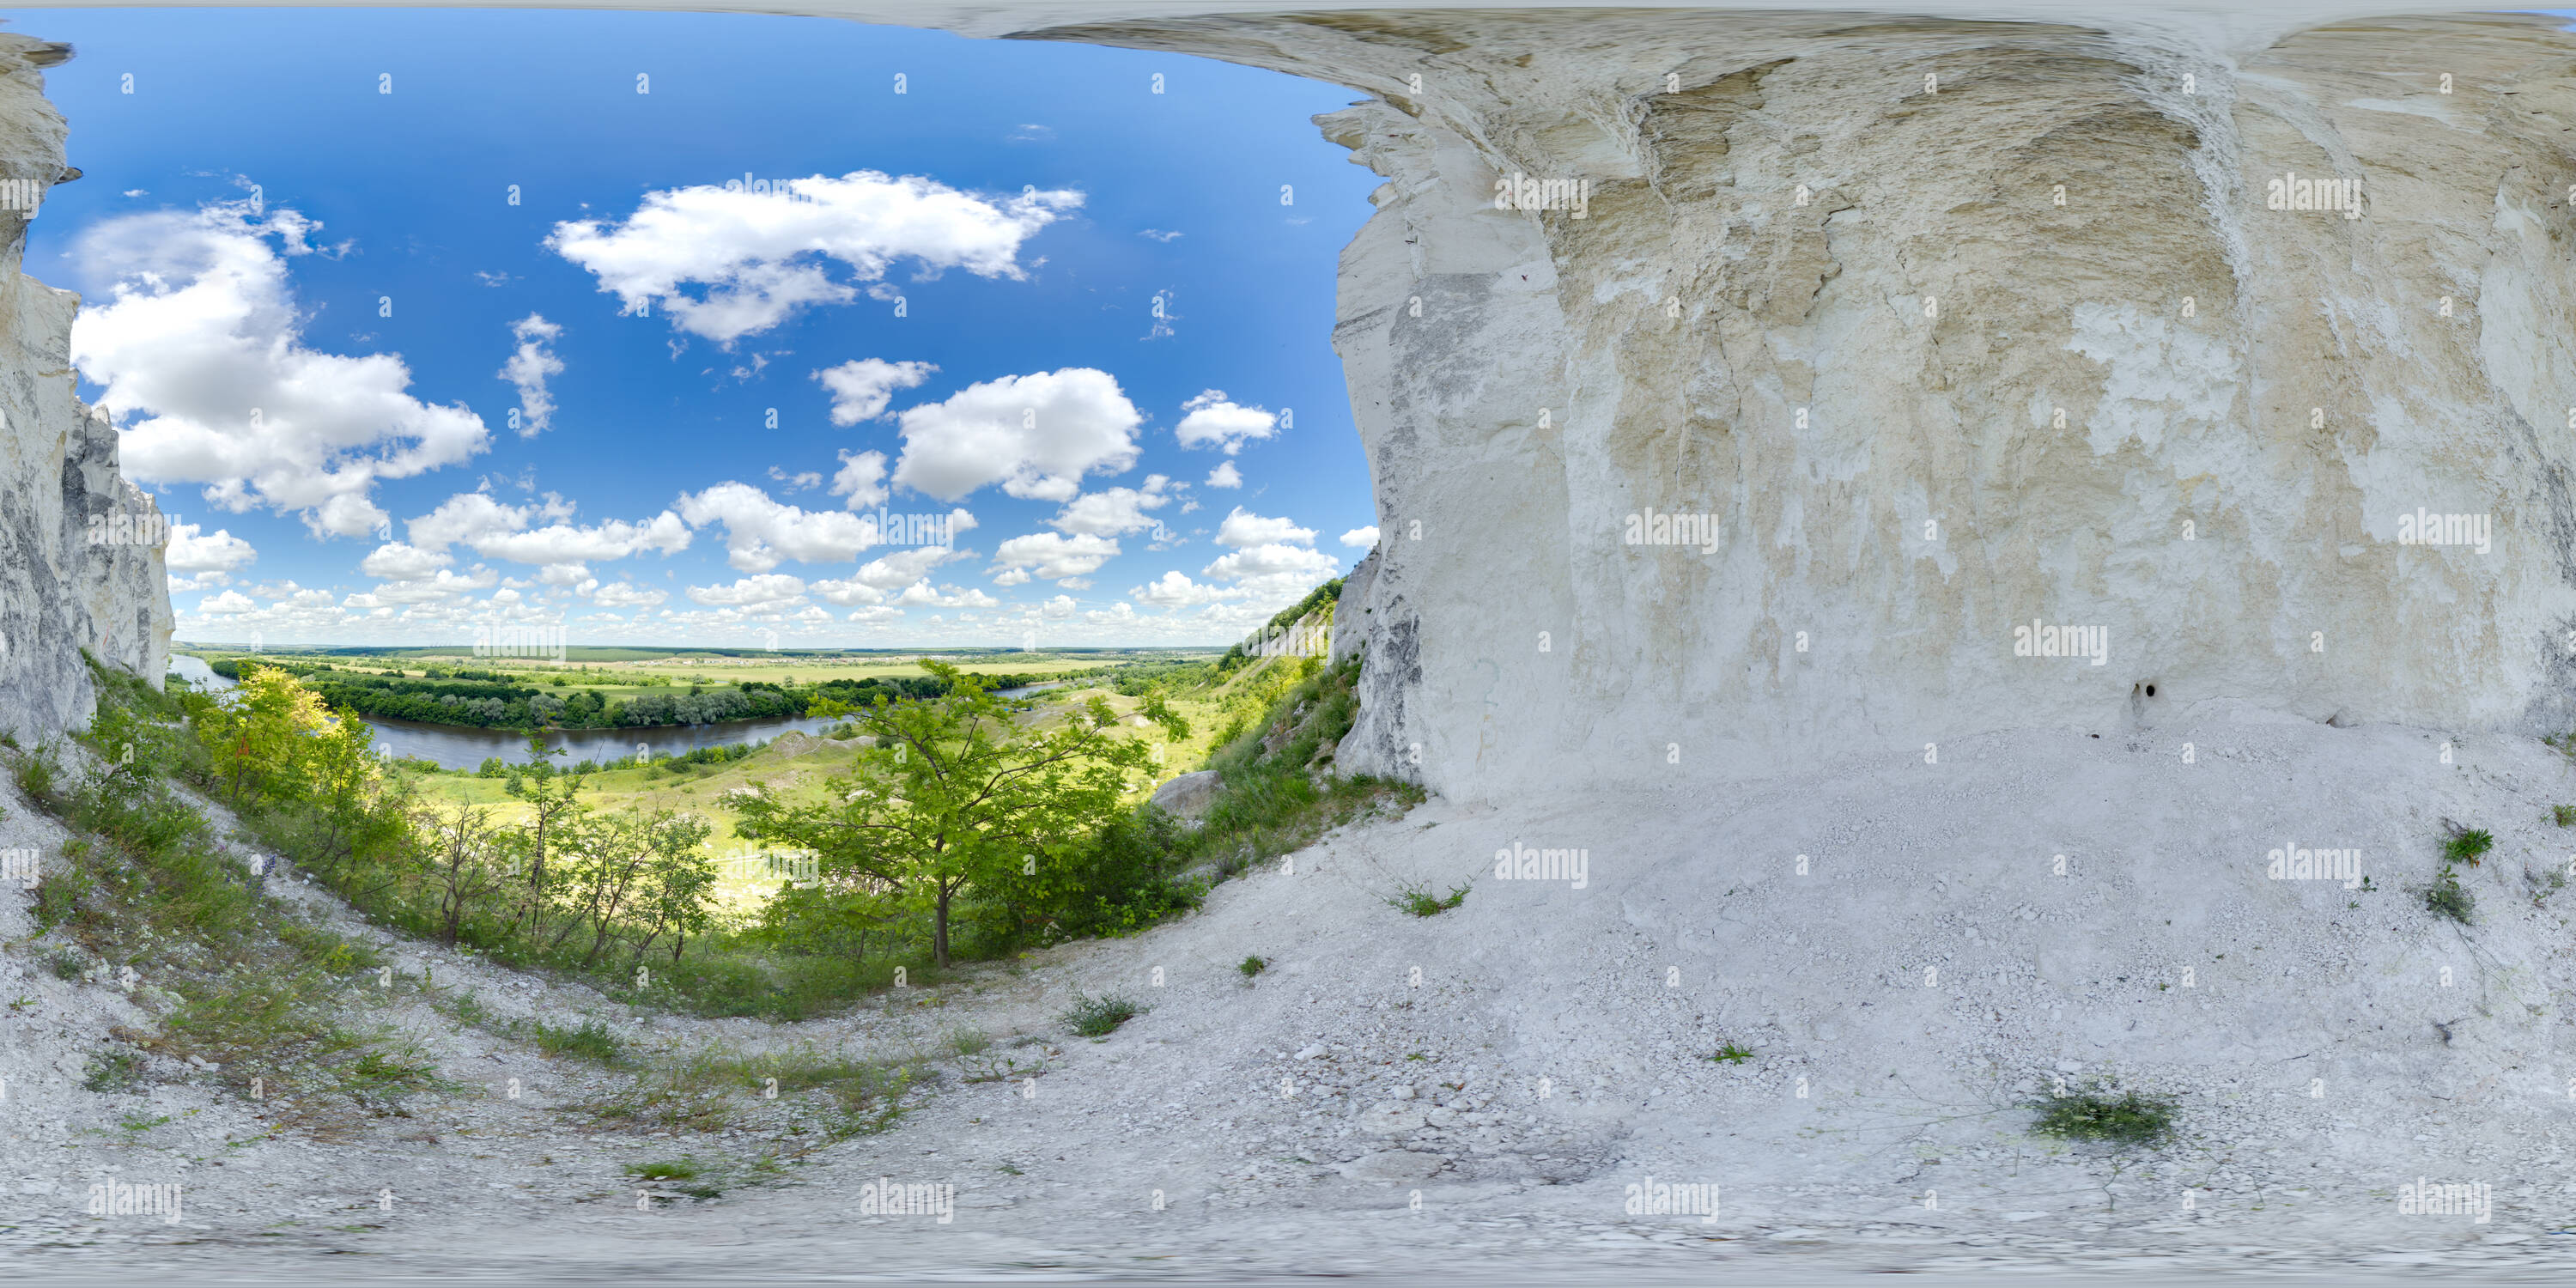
80, 546
2324, 1046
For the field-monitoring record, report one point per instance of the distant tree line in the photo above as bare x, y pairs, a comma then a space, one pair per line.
488, 700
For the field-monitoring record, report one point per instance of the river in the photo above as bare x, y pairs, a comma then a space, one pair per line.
466, 747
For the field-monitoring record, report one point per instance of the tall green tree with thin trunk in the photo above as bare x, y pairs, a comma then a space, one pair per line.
959, 790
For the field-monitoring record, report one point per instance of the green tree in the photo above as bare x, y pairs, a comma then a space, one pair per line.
552, 800
959, 792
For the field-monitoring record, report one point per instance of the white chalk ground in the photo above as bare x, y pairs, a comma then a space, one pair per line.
2319, 1054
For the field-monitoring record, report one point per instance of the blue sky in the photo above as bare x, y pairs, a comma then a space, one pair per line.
314, 311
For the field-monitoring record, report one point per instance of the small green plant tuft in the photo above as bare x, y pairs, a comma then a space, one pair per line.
2564, 815
2467, 846
590, 1040
1251, 966
2448, 897
2125, 1119
1417, 899
66, 964
684, 1168
1097, 1017
1732, 1054
114, 1069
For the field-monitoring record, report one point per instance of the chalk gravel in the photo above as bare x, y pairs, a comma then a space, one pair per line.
1476, 1090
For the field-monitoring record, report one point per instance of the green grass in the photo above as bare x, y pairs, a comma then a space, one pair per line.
2124, 1119
1283, 721
717, 1087
1732, 1054
1098, 1017
590, 1040
144, 883
683, 1168
1417, 899
2563, 815
1251, 966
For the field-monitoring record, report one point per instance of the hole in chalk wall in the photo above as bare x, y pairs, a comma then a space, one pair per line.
2151, 690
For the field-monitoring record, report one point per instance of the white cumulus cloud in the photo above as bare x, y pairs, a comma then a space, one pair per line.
190, 550
1225, 475
1244, 528
1114, 511
1053, 555
528, 369
1215, 421
199, 348
861, 478
1036, 435
862, 387
724, 264
502, 531
760, 533
397, 561
1174, 589
1361, 538
627, 595
767, 590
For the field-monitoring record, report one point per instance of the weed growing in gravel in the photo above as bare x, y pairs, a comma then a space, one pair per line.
114, 1069
715, 1088
1732, 1054
1098, 1017
66, 964
2445, 895
978, 1062
383, 1077
2467, 847
2564, 815
590, 1040
2449, 898
2125, 1119
1418, 900
683, 1168
1251, 966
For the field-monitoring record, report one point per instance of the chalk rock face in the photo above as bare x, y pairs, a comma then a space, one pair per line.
1188, 796
1352, 610
1774, 388
80, 546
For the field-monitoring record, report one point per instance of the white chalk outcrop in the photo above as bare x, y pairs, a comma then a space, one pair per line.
1927, 334
61, 591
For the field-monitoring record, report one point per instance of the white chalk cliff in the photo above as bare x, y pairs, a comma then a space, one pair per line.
61, 592
1948, 329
